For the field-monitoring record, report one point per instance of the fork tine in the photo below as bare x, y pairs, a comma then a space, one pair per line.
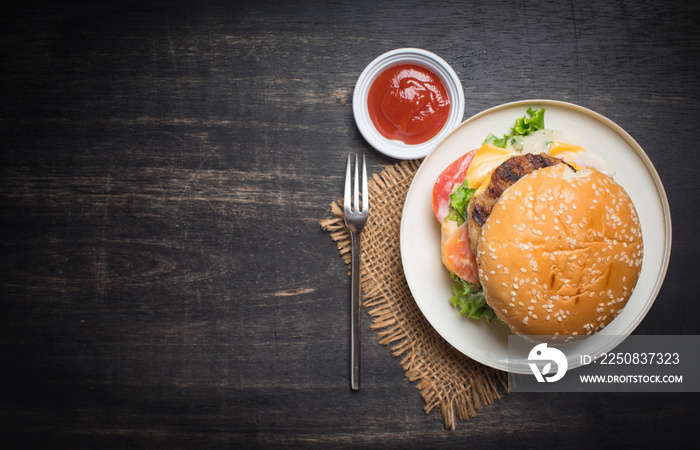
365, 197
356, 191
348, 176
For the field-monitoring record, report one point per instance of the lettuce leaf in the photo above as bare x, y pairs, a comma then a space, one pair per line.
524, 126
470, 300
459, 200
531, 122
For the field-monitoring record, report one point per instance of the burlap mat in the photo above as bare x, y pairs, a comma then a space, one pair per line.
457, 385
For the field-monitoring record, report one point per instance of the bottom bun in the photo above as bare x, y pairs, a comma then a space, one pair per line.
561, 252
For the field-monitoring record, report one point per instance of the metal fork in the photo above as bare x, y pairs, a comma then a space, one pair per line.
355, 220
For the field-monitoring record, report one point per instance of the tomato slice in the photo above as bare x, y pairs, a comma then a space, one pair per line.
457, 251
450, 178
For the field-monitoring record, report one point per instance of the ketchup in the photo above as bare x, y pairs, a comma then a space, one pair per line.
408, 103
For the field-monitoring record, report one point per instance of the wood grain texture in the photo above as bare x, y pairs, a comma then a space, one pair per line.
164, 281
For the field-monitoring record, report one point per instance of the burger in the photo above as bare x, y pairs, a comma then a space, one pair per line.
537, 234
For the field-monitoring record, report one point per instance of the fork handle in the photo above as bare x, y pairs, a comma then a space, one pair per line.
355, 305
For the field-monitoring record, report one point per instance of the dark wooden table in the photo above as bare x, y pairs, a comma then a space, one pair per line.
164, 280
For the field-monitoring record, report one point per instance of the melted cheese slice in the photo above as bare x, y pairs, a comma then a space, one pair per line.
485, 161
579, 157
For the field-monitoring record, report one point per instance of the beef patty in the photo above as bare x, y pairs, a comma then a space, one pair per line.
503, 177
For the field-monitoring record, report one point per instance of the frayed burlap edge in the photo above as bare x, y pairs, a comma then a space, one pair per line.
448, 380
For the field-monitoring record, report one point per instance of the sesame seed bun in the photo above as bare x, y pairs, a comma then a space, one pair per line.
560, 253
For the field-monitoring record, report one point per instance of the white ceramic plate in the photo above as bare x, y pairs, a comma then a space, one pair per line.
430, 282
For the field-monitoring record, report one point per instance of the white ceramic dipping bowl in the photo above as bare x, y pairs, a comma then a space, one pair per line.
448, 77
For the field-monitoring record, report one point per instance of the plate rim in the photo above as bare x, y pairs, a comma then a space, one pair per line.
638, 150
